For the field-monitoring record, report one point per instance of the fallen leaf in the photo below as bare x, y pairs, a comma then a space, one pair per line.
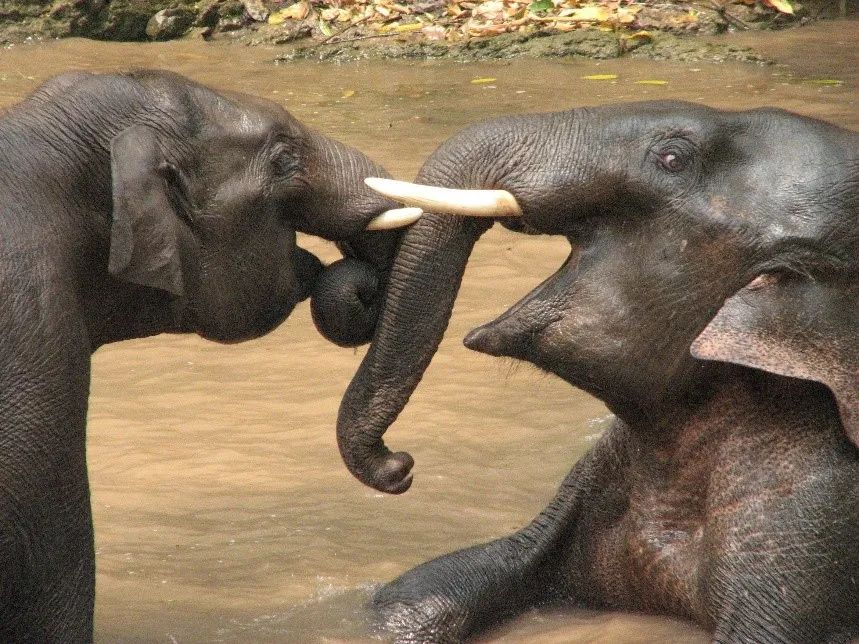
486, 29
490, 10
651, 82
626, 15
325, 28
780, 5
591, 14
638, 35
434, 32
411, 26
600, 77
825, 81
481, 81
256, 9
401, 28
297, 11
541, 5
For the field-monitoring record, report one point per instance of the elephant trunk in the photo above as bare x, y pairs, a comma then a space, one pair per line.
431, 261
424, 282
346, 296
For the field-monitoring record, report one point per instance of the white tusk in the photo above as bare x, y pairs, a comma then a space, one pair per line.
395, 218
470, 203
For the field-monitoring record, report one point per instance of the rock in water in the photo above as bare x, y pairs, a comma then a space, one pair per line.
169, 23
256, 9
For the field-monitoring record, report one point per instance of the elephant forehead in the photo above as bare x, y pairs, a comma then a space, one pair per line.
247, 114
659, 115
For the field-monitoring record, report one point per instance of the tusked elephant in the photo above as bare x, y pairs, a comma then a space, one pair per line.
137, 204
711, 300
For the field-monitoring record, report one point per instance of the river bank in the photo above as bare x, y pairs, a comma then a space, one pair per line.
342, 30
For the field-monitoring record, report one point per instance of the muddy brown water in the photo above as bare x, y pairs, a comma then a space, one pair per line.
222, 510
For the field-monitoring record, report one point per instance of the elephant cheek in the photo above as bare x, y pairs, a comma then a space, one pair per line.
345, 302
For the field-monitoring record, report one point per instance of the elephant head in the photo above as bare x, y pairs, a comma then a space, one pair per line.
695, 234
208, 191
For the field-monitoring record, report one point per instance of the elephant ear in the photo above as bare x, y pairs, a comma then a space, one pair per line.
144, 235
793, 327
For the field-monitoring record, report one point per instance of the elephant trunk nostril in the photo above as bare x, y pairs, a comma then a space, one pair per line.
345, 302
394, 474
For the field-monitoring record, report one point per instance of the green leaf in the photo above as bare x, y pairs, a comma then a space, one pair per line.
540, 5
325, 28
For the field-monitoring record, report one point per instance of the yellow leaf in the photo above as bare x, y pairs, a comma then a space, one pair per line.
402, 28
481, 81
412, 26
638, 35
297, 11
651, 82
625, 17
591, 14
780, 5
825, 81
349, 93
600, 77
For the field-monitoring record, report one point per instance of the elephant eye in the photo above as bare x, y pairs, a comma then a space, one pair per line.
674, 157
285, 165
671, 162
286, 162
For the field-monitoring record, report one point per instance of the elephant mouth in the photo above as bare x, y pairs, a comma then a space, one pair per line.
517, 332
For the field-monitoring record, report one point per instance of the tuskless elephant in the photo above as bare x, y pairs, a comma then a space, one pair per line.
711, 300
137, 204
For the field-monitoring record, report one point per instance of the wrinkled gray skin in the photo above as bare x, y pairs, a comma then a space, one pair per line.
132, 205
711, 299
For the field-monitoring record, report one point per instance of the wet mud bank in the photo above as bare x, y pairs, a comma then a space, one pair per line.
457, 30
594, 44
